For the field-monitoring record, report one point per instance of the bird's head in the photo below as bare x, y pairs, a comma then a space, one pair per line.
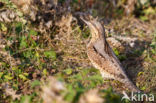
96, 28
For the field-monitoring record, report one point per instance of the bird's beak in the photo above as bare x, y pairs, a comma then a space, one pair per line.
82, 18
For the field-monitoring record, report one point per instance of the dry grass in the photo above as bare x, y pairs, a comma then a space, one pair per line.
130, 38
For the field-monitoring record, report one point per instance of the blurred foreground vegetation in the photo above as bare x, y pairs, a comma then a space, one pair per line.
43, 55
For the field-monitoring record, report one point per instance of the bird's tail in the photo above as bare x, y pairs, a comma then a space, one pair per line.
130, 85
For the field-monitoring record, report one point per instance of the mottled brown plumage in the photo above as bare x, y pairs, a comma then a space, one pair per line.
102, 56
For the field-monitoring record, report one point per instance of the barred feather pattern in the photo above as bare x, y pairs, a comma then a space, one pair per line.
102, 56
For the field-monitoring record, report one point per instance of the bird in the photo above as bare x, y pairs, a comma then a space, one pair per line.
102, 56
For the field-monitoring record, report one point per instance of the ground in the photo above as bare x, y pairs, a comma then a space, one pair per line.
41, 56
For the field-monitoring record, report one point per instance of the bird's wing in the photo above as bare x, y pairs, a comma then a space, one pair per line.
105, 57
103, 47
114, 66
